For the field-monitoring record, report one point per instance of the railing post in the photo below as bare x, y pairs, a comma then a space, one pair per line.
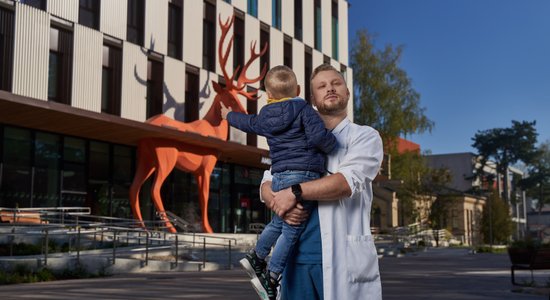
78, 245
11, 238
114, 247
203, 253
230, 265
177, 247
46, 248
146, 248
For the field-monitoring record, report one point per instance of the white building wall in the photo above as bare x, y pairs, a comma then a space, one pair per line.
192, 32
64, 9
326, 22
174, 89
156, 25
298, 63
113, 16
207, 93
31, 52
307, 22
264, 11
343, 32
287, 17
240, 4
276, 49
251, 34
134, 83
87, 68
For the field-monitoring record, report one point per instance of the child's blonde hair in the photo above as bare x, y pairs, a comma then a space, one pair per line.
281, 82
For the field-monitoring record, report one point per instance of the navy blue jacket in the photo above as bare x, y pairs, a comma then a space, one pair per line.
296, 135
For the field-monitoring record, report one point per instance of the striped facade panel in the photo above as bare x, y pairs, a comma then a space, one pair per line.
307, 22
316, 58
326, 22
207, 93
252, 34
113, 18
192, 32
174, 89
240, 4
343, 38
349, 81
262, 101
64, 9
287, 17
298, 64
276, 48
87, 67
156, 25
134, 83
224, 11
31, 52
264, 11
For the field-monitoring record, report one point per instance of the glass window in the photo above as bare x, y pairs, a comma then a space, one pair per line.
60, 66
40, 4
111, 80
287, 52
16, 173
209, 37
88, 13
298, 31
175, 29
6, 48
264, 59
335, 29
308, 69
47, 156
192, 87
252, 8
135, 21
276, 13
154, 87
317, 26
238, 45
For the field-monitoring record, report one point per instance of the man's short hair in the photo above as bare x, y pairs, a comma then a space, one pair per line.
324, 67
281, 82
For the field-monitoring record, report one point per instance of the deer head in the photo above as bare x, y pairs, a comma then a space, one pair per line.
228, 95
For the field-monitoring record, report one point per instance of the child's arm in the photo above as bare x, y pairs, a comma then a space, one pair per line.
244, 122
316, 132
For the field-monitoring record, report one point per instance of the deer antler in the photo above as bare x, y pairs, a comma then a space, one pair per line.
242, 80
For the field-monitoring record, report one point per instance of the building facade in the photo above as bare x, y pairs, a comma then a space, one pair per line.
79, 78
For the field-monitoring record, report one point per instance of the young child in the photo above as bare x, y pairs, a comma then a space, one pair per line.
298, 142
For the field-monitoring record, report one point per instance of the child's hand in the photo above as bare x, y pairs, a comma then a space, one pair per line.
225, 110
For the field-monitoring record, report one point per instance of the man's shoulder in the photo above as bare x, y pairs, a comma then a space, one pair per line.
363, 129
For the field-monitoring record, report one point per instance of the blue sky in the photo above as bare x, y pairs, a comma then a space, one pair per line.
477, 64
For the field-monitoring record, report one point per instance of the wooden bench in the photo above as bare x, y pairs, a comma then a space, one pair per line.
539, 260
21, 217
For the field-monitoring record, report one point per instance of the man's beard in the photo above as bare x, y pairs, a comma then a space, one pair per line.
332, 108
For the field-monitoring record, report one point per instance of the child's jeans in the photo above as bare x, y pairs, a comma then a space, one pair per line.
278, 230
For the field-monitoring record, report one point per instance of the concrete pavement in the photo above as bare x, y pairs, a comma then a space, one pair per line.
449, 274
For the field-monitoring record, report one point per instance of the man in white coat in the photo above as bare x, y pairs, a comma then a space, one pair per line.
336, 257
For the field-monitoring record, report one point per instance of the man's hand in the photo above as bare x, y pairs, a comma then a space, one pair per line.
225, 110
283, 201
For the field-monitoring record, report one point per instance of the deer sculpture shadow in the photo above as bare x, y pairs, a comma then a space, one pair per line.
160, 156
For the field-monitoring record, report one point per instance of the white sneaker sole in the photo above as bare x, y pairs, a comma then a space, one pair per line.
260, 290
248, 268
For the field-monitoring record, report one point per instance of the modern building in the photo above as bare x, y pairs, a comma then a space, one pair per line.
79, 78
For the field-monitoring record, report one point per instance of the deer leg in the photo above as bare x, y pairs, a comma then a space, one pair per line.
204, 191
167, 161
143, 171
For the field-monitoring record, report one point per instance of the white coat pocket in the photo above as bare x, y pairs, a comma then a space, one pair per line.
361, 258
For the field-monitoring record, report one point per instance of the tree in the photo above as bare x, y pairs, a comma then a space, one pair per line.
383, 93
537, 184
506, 146
496, 223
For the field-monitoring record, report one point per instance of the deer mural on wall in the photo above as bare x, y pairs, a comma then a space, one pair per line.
163, 155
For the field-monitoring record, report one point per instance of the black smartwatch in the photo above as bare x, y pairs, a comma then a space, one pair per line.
297, 191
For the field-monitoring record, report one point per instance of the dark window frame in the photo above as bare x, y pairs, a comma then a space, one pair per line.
7, 19
39, 4
317, 25
308, 69
287, 51
298, 20
135, 22
192, 90
113, 67
63, 51
89, 8
265, 59
155, 89
209, 37
238, 42
276, 12
335, 28
252, 8
175, 29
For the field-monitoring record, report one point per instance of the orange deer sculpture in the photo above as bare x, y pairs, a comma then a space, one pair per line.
163, 155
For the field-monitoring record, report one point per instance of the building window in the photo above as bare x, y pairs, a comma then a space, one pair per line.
326, 59
287, 52
276, 13
308, 68
191, 95
264, 59
227, 1
238, 44
88, 13
16, 168
155, 81
40, 4
6, 49
135, 22
175, 29
298, 31
335, 29
317, 26
60, 66
252, 8
111, 80
251, 108
209, 37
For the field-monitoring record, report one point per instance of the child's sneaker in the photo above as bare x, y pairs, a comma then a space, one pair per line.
253, 265
266, 286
